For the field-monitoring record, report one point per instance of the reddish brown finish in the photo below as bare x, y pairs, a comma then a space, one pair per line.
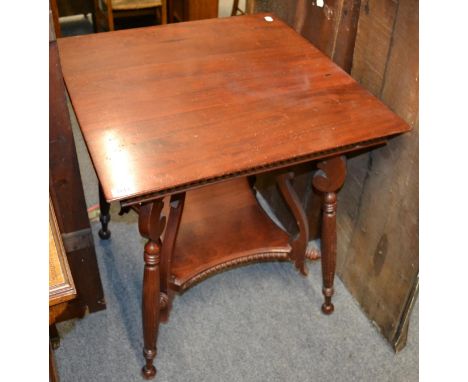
237, 93
177, 203
223, 226
298, 243
328, 180
169, 109
55, 17
151, 226
190, 10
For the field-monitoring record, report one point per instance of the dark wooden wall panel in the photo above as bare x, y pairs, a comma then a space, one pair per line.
202, 9
75, 7
331, 28
374, 35
378, 206
67, 194
379, 244
188, 10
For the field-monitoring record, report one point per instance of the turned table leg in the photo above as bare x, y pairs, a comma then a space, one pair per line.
151, 225
104, 215
328, 180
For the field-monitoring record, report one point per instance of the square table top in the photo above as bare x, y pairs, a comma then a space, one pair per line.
162, 108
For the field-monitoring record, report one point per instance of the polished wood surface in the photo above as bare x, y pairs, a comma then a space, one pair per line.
222, 227
156, 105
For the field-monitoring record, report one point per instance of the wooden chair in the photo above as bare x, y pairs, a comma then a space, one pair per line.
236, 10
107, 10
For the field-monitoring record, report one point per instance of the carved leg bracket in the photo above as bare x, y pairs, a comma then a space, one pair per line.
104, 216
328, 179
175, 216
299, 243
151, 226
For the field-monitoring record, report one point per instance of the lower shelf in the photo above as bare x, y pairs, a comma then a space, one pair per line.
223, 226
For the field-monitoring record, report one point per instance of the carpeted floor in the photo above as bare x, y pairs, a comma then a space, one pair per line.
257, 323
252, 324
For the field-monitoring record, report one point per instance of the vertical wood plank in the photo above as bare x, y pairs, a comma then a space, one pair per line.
346, 34
374, 34
66, 189
201, 9
380, 248
372, 243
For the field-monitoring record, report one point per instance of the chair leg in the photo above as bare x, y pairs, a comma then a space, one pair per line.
235, 7
163, 12
170, 11
110, 16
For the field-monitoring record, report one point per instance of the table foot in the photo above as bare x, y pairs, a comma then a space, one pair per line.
104, 216
327, 306
149, 371
328, 180
104, 235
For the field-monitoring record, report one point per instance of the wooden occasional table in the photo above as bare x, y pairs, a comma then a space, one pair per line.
192, 112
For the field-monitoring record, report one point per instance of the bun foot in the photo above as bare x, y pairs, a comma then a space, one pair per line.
148, 373
327, 308
104, 235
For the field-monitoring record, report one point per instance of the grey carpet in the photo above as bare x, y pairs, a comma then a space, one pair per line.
256, 323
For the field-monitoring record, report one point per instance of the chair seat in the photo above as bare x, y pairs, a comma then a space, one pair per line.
126, 5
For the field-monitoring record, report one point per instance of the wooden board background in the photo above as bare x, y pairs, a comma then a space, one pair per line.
67, 193
377, 41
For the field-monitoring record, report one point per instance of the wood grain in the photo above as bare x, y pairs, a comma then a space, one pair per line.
374, 34
379, 245
157, 104
331, 28
66, 190
223, 226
